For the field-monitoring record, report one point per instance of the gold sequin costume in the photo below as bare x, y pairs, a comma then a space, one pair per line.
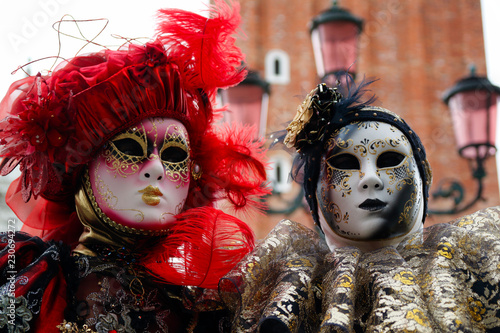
444, 279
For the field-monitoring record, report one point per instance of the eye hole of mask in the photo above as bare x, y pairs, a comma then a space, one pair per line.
173, 154
389, 159
344, 162
129, 147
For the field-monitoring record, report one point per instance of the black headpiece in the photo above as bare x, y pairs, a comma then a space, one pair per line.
325, 110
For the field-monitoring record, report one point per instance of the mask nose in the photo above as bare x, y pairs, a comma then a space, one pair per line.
371, 180
152, 170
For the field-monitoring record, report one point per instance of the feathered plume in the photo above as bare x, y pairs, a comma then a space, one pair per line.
206, 44
240, 173
204, 245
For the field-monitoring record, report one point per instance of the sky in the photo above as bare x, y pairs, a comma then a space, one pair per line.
491, 29
26, 31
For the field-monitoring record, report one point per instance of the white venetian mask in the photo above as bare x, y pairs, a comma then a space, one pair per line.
140, 179
370, 190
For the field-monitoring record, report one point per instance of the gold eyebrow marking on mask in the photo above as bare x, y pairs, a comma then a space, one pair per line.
334, 141
176, 171
361, 150
375, 145
121, 163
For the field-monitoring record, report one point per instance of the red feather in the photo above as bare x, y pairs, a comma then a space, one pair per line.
238, 168
203, 246
206, 45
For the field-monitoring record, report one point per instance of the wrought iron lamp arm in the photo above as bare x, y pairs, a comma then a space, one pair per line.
290, 206
455, 190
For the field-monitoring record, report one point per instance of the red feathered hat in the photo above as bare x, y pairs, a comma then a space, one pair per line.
55, 124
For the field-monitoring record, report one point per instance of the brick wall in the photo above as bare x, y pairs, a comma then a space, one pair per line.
416, 48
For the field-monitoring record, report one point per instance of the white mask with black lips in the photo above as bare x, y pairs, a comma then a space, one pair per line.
370, 191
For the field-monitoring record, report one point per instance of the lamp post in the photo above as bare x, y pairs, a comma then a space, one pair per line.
247, 102
335, 38
473, 105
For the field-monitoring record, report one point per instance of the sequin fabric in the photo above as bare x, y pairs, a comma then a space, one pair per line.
444, 279
49, 290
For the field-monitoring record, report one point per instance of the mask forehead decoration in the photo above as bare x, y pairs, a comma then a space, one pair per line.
347, 147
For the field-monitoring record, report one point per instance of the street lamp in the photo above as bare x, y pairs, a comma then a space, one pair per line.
247, 102
335, 36
473, 105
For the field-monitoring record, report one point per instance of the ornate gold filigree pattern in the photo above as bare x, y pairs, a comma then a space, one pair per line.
110, 198
178, 210
332, 141
399, 176
70, 327
337, 180
87, 187
123, 164
178, 170
332, 207
103, 189
405, 214
442, 280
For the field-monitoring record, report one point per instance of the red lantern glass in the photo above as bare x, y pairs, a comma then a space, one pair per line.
474, 115
335, 35
335, 46
473, 106
247, 104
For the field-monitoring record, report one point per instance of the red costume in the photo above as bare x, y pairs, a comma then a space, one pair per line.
92, 273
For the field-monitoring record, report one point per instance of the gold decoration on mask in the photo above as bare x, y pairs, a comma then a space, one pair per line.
338, 180
403, 140
405, 215
331, 206
103, 189
155, 129
126, 163
399, 176
376, 144
118, 166
176, 170
335, 141
110, 198
93, 218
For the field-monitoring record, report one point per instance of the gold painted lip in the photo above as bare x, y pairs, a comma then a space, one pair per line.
151, 190
150, 195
